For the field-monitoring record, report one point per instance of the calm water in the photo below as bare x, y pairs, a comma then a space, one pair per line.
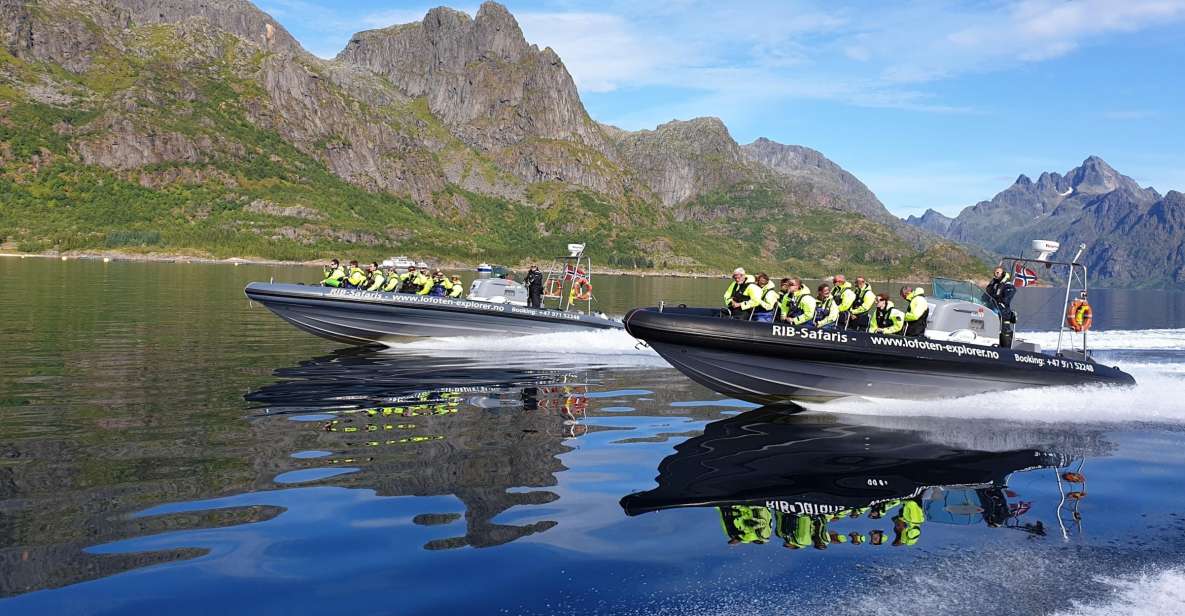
165, 445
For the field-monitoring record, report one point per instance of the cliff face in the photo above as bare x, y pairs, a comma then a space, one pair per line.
452, 135
495, 92
1133, 235
679, 161
829, 184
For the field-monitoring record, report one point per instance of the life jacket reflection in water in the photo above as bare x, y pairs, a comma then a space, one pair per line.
745, 524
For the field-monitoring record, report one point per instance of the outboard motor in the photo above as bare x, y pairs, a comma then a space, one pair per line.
1007, 329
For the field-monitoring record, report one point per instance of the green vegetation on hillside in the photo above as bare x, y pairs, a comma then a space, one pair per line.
237, 188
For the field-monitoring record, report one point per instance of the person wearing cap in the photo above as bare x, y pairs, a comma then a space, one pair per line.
534, 284
742, 296
844, 297
335, 274
457, 288
862, 306
917, 311
375, 278
798, 305
437, 286
357, 277
887, 319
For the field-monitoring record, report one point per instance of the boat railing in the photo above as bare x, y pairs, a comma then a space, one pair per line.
565, 276
1076, 284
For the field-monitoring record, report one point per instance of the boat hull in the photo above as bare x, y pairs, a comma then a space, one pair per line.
813, 464
353, 316
771, 363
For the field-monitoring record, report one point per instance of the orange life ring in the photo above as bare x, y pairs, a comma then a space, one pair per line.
581, 291
1079, 316
555, 288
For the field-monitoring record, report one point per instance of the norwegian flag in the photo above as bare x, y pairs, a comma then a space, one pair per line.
571, 272
1023, 276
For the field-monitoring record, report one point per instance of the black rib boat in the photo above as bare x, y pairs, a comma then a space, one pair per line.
769, 363
967, 349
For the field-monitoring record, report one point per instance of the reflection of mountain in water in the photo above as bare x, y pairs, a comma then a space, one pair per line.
769, 473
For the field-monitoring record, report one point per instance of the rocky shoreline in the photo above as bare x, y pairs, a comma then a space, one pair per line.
107, 256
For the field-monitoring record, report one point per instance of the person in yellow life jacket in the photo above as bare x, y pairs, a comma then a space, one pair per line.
745, 524
742, 296
798, 305
908, 524
844, 297
917, 311
768, 306
863, 305
411, 281
438, 285
457, 288
886, 319
826, 312
794, 530
357, 277
375, 277
391, 283
820, 535
335, 275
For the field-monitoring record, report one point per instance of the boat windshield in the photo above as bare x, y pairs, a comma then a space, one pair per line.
945, 288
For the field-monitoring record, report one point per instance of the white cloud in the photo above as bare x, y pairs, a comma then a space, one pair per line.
955, 40
602, 51
880, 55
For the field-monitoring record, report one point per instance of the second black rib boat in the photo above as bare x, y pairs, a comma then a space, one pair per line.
771, 363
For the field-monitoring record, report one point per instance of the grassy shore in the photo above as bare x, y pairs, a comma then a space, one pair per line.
163, 257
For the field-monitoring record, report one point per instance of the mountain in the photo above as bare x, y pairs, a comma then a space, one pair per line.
205, 128
829, 182
1134, 236
932, 221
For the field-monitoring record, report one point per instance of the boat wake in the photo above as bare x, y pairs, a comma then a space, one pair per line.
1143, 594
608, 348
1156, 398
1117, 339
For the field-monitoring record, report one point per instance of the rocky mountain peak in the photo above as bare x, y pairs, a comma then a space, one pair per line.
493, 90
1095, 176
1023, 180
239, 17
801, 163
931, 220
497, 33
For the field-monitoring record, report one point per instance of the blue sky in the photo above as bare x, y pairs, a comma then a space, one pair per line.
931, 103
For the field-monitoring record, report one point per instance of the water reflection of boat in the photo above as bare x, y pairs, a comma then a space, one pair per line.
487, 432
767, 471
